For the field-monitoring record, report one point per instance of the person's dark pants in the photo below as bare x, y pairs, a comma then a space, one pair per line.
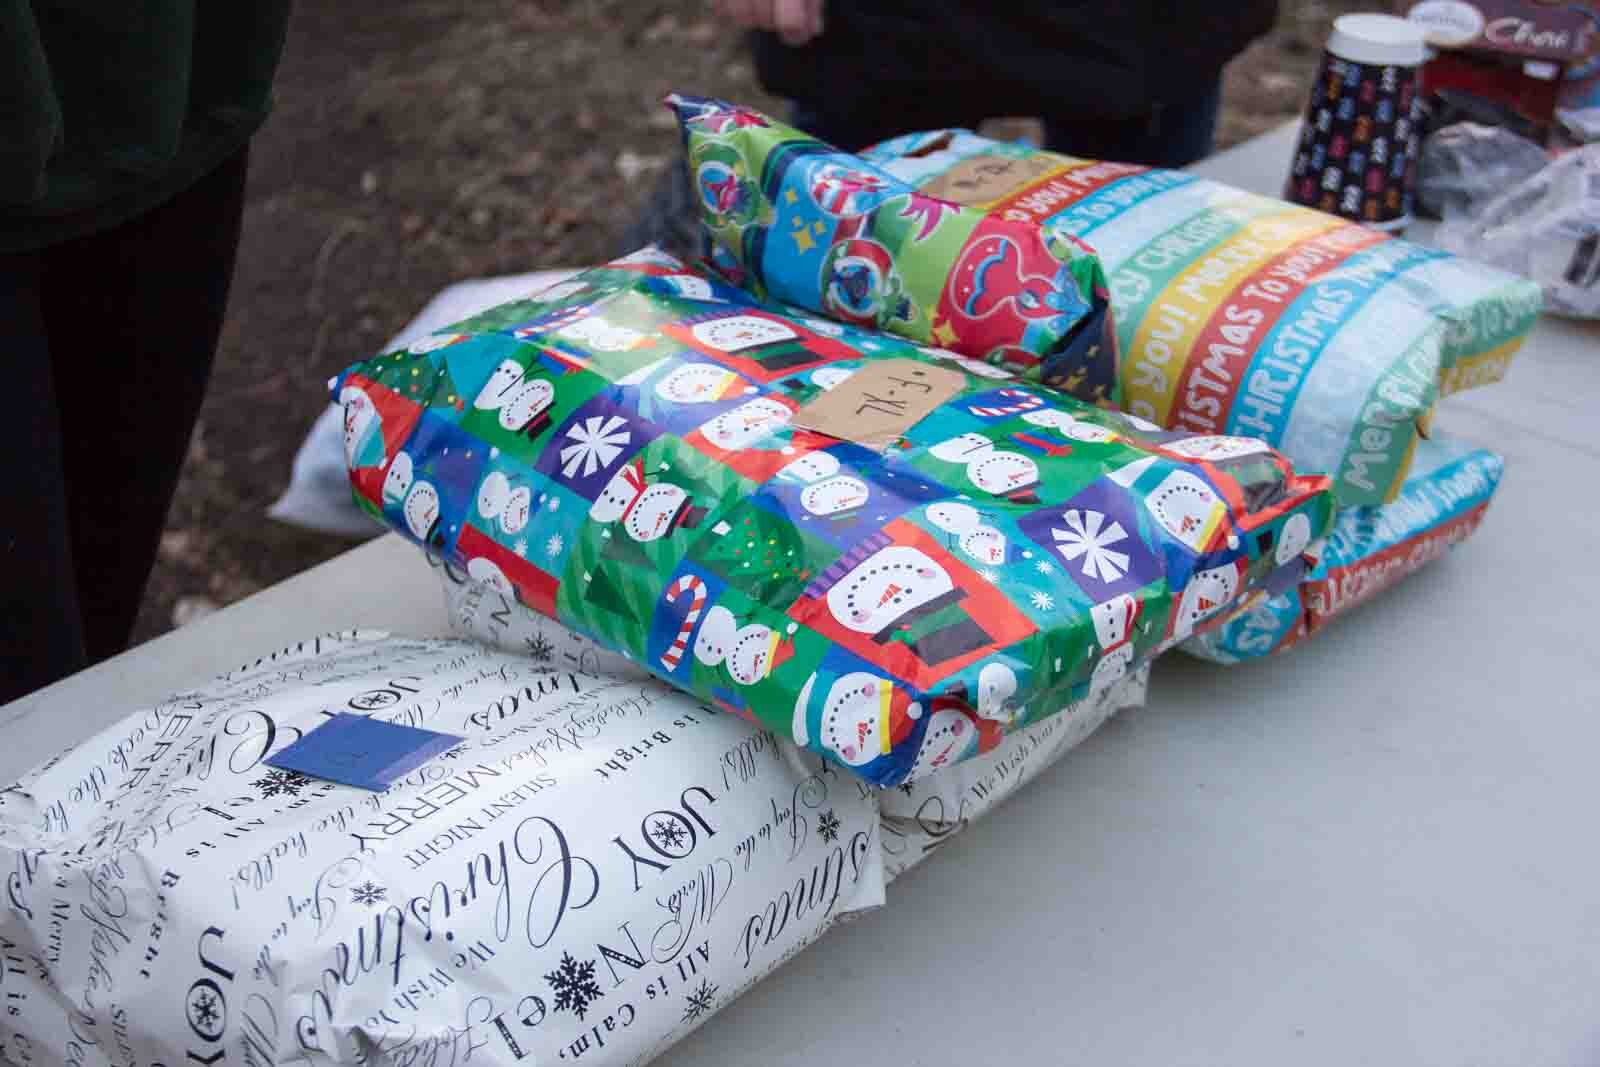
109, 341
1173, 135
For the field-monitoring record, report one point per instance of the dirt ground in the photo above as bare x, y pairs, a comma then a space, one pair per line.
413, 146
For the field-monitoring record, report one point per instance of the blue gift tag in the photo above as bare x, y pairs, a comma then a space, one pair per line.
366, 753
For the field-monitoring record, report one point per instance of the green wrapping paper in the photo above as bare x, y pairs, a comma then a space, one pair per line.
796, 220
660, 463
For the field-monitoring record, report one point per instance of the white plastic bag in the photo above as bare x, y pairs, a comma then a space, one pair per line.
1546, 228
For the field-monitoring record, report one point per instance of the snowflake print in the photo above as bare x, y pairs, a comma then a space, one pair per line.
205, 1013
1088, 536
699, 1002
1042, 600
368, 893
599, 440
553, 547
521, 546
1044, 566
574, 985
989, 575
668, 833
828, 825
276, 782
540, 650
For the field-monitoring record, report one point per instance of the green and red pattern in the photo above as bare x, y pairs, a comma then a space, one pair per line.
621, 454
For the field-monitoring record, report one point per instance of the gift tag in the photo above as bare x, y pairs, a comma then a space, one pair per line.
881, 401
366, 753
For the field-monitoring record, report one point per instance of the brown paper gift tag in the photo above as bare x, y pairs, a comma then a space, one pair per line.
878, 403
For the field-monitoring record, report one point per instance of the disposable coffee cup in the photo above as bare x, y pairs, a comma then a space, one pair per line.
1358, 149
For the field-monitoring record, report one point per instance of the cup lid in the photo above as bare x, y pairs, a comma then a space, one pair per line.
1378, 40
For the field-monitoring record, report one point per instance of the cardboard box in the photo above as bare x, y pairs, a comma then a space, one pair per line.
1515, 62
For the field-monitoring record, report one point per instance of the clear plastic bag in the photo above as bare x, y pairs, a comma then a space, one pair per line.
1466, 165
1546, 228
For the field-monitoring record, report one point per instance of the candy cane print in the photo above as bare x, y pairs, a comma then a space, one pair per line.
689, 582
1022, 402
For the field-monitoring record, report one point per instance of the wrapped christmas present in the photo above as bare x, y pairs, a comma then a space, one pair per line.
596, 868
1240, 314
795, 220
1370, 549
835, 533
918, 817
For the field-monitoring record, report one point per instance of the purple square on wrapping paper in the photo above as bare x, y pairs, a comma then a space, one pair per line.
589, 448
1095, 537
366, 753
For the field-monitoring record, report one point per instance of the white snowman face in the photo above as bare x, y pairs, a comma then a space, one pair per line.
600, 334
1207, 593
750, 658
885, 586
962, 448
1187, 507
1217, 447
811, 467
501, 384
613, 499
487, 572
1049, 418
526, 403
830, 376
1113, 619
949, 738
397, 483
692, 288
1293, 540
360, 419
422, 510
739, 332
493, 494
746, 424
1109, 670
855, 717
1089, 433
822, 326
717, 632
518, 507
832, 496
986, 545
1000, 473
696, 383
954, 517
997, 683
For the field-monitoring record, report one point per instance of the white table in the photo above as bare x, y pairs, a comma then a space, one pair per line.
1378, 849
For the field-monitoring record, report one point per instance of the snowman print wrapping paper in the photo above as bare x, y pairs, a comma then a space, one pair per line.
630, 457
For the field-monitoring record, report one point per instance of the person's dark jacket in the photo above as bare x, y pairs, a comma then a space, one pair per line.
1065, 59
109, 107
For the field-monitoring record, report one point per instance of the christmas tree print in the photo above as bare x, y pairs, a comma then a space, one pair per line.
762, 554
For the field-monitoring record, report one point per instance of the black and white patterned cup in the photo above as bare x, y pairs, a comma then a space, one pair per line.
1357, 155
